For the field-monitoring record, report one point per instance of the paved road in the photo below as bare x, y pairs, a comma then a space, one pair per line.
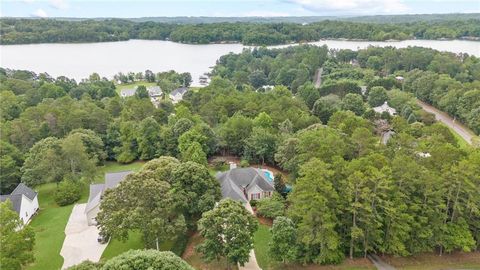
459, 128
80, 242
379, 263
318, 77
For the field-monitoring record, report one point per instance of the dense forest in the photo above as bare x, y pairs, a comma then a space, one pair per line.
353, 193
23, 31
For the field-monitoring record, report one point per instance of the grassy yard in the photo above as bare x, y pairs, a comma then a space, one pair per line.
116, 247
430, 261
261, 240
119, 87
112, 166
49, 226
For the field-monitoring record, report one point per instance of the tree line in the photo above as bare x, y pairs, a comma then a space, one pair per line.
24, 31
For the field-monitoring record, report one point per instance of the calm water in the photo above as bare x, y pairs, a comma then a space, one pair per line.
80, 60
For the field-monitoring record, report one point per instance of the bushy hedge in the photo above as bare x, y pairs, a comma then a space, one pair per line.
146, 259
68, 192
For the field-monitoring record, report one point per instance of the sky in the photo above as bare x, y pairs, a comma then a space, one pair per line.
229, 8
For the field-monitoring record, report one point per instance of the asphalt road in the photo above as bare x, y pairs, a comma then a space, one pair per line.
443, 117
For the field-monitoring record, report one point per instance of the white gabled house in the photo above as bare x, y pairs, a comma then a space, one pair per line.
177, 94
24, 202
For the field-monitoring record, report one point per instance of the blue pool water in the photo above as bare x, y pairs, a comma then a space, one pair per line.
269, 176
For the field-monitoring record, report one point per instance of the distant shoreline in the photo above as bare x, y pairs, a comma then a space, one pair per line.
475, 39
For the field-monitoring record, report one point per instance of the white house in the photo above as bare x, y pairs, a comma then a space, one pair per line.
24, 201
128, 92
96, 191
385, 108
177, 94
245, 184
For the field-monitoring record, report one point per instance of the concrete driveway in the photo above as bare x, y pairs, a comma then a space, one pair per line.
80, 243
252, 262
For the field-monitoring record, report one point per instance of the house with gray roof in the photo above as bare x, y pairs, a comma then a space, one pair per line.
385, 108
245, 184
96, 192
24, 201
128, 92
177, 94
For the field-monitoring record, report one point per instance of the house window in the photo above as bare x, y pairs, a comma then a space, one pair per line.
255, 196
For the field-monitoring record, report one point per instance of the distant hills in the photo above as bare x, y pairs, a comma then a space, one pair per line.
300, 19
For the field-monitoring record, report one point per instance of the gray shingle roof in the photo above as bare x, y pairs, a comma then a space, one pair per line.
23, 189
235, 181
113, 179
16, 200
179, 91
96, 190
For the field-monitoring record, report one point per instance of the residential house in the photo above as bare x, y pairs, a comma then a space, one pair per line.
128, 92
24, 201
245, 184
385, 108
96, 192
177, 94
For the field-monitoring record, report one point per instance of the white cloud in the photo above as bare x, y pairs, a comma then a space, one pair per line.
28, 1
59, 4
258, 13
40, 13
353, 6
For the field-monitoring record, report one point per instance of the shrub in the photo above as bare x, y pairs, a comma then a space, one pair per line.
86, 265
146, 259
180, 244
253, 203
68, 192
271, 207
244, 163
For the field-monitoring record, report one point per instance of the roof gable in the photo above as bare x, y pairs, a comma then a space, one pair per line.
16, 200
235, 181
23, 189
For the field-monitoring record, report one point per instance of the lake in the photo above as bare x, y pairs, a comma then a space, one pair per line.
80, 60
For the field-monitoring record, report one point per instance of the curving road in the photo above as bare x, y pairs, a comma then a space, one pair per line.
443, 117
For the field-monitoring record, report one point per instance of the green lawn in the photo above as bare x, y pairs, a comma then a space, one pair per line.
119, 87
261, 239
49, 226
135, 241
116, 247
112, 166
